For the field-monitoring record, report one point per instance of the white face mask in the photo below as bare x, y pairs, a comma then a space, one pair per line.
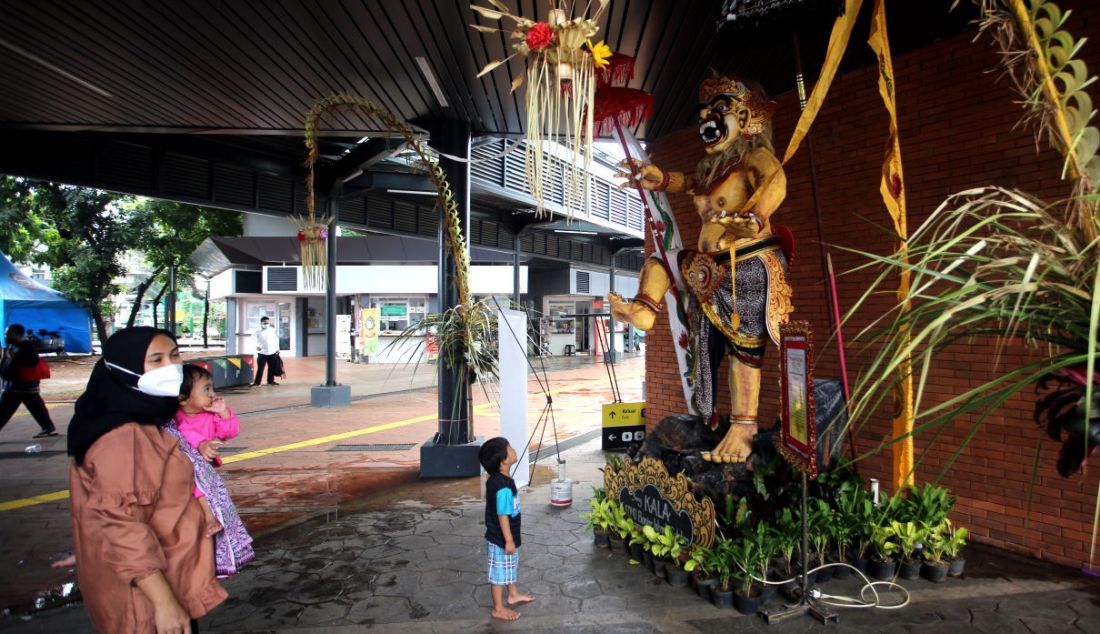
163, 381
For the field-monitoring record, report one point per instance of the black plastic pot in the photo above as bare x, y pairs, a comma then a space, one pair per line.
721, 599
748, 604
703, 585
841, 572
601, 539
617, 545
860, 564
659, 566
637, 553
768, 592
910, 569
956, 568
677, 577
882, 570
647, 559
934, 572
823, 574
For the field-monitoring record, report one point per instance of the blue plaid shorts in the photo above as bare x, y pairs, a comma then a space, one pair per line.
502, 566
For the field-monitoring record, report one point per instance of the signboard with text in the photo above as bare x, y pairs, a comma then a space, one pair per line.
623, 424
652, 497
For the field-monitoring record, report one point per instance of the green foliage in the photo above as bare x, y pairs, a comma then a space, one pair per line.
788, 536
621, 523
856, 510
956, 539
927, 506
705, 560
935, 542
722, 563
23, 228
599, 518
907, 535
665, 543
884, 542
820, 521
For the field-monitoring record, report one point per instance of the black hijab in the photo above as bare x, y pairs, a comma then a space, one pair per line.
112, 399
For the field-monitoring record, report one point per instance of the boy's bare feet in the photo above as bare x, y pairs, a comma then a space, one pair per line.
504, 614
519, 599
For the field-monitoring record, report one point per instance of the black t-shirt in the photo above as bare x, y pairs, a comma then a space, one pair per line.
501, 487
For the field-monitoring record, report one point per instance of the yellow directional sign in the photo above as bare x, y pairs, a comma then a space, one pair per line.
623, 414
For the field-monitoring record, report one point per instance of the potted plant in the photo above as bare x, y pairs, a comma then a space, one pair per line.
820, 521
668, 546
638, 545
721, 594
882, 565
955, 542
908, 535
620, 528
935, 543
857, 511
765, 541
840, 533
746, 558
701, 565
598, 520
927, 506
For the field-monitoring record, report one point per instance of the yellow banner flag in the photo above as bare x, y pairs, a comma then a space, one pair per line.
838, 42
892, 188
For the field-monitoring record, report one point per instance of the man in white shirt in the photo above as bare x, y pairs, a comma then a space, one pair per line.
267, 346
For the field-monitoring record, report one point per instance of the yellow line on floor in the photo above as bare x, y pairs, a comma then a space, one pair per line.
312, 442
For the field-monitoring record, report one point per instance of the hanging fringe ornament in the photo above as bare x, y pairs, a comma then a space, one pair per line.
563, 66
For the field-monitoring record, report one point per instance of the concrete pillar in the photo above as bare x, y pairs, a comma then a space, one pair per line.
331, 394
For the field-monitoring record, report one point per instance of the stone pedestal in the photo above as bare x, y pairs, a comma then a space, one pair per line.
450, 461
330, 396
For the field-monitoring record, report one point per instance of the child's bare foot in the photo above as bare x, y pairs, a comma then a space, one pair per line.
504, 614
519, 599
67, 562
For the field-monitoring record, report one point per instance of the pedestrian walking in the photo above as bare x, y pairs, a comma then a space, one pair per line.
267, 348
21, 372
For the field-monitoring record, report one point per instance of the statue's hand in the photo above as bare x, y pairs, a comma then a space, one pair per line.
647, 175
743, 226
618, 305
631, 312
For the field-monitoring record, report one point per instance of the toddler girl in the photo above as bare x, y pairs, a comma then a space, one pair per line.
202, 424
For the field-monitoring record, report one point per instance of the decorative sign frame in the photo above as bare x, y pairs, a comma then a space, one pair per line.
798, 431
652, 497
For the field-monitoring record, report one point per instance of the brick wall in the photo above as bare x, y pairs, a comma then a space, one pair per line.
956, 128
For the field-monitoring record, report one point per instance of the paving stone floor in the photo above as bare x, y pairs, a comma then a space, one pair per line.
418, 565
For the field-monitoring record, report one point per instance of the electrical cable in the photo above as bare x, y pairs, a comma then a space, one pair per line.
852, 602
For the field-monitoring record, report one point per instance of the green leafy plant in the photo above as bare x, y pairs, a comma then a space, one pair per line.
666, 543
956, 540
935, 543
820, 521
928, 506
621, 523
702, 559
883, 542
788, 535
856, 510
722, 563
598, 520
765, 542
907, 535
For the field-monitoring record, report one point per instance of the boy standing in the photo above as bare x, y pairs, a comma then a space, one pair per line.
502, 526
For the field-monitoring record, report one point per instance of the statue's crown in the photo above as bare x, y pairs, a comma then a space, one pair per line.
714, 86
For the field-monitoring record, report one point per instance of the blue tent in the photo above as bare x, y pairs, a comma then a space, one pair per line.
26, 302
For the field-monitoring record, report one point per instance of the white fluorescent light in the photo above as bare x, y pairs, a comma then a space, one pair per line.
579, 233
426, 70
414, 192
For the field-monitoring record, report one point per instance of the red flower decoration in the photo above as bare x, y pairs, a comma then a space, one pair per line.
539, 36
301, 237
683, 340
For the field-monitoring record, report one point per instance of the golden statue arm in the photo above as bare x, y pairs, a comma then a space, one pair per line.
641, 311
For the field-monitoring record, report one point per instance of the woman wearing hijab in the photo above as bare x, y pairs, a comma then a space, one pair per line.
144, 560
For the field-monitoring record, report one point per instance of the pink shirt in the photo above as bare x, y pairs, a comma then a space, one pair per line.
208, 426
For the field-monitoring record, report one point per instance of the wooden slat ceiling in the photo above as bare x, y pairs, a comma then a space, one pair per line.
253, 67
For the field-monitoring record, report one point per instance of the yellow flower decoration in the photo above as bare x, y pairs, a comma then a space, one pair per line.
600, 54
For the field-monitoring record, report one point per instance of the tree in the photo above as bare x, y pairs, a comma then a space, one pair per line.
84, 234
22, 228
170, 233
